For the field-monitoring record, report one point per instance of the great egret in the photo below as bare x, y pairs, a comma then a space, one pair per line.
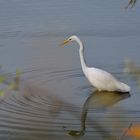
98, 78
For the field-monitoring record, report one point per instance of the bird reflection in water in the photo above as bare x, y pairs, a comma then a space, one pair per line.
98, 101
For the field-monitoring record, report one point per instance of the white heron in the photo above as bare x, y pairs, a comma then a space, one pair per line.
100, 79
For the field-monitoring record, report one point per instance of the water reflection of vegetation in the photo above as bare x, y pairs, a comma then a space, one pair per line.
131, 3
12, 84
132, 70
99, 100
133, 131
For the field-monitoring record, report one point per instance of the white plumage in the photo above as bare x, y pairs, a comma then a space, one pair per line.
100, 79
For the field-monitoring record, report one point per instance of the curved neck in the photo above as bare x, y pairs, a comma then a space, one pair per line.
81, 53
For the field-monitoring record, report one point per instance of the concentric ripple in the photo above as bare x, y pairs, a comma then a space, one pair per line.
36, 113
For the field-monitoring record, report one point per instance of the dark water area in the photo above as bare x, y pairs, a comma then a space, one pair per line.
54, 98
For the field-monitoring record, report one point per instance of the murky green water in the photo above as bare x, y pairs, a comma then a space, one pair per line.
55, 100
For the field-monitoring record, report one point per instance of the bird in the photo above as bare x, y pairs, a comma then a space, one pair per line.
98, 78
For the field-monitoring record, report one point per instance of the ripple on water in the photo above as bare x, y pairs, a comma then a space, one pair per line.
36, 113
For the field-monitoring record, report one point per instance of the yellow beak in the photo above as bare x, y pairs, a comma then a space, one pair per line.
65, 42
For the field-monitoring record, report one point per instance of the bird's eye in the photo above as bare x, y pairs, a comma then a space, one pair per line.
70, 39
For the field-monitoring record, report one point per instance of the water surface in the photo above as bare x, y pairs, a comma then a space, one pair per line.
53, 90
